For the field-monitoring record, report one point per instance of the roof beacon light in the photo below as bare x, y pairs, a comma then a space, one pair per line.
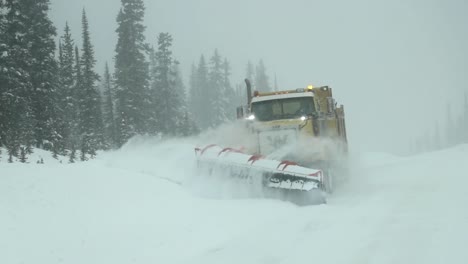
310, 87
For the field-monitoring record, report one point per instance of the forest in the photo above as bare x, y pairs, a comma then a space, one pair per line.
54, 98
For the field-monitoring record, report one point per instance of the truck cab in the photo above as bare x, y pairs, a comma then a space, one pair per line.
304, 125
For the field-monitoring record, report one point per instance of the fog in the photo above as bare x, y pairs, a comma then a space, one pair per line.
395, 65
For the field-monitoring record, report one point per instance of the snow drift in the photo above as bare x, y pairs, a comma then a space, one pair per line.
134, 206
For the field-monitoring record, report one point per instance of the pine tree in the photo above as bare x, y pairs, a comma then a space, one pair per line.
261, 78
131, 71
77, 95
228, 92
16, 61
196, 97
3, 81
183, 119
203, 116
42, 69
108, 110
54, 153
216, 95
166, 98
72, 156
89, 100
10, 156
83, 152
67, 88
189, 128
153, 121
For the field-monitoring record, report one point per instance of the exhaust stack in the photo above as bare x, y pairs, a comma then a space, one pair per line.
249, 91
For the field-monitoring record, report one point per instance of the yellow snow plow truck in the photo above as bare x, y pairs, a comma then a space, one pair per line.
300, 144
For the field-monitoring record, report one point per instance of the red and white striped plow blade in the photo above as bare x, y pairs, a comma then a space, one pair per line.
276, 174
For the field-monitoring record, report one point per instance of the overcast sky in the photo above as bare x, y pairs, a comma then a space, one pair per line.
394, 64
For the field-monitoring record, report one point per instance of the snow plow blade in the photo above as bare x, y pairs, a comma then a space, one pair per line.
284, 175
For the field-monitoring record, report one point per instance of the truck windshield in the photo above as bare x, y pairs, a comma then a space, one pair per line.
283, 108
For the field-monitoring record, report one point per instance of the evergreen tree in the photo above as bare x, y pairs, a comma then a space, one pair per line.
60, 57
89, 100
77, 95
196, 96
153, 122
203, 116
72, 156
189, 128
39, 40
131, 71
10, 156
261, 78
3, 80
108, 110
217, 98
228, 92
16, 115
67, 87
168, 102
184, 119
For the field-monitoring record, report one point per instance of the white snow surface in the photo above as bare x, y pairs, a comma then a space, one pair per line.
137, 205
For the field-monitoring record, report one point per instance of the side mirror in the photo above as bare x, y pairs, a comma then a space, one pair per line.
313, 115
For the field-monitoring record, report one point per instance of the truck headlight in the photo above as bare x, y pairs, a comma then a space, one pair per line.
251, 117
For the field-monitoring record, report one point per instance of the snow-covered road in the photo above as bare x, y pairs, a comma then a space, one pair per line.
135, 206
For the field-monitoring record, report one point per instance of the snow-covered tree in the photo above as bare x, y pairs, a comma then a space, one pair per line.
228, 92
19, 76
131, 71
42, 69
185, 124
167, 88
89, 101
202, 117
3, 77
194, 93
216, 97
67, 82
108, 109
